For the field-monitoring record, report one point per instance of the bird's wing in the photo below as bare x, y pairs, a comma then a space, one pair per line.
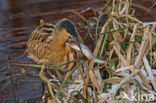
43, 33
40, 38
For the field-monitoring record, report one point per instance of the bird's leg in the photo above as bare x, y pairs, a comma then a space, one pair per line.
41, 74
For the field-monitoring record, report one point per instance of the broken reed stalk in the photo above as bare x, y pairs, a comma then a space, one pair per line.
99, 18
149, 72
80, 16
11, 79
63, 83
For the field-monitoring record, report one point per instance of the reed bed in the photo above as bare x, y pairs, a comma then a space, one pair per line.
129, 47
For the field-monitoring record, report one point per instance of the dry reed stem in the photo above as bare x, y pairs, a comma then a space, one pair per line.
124, 80
95, 93
68, 97
126, 6
143, 51
112, 80
60, 77
144, 80
85, 83
80, 16
99, 78
150, 7
108, 68
111, 53
137, 45
149, 72
132, 18
94, 81
51, 91
48, 71
121, 56
116, 35
129, 50
125, 68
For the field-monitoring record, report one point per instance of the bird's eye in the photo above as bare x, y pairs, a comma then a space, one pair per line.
71, 40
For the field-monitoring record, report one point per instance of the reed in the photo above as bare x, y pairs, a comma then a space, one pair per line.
128, 46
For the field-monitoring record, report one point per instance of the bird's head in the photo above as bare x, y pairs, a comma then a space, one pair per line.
68, 33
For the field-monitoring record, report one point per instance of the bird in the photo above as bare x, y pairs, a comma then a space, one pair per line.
56, 44
49, 44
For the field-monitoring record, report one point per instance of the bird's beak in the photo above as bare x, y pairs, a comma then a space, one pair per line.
75, 42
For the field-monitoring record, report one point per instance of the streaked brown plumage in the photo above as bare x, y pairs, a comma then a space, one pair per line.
49, 44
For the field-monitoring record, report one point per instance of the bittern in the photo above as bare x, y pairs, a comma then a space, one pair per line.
55, 45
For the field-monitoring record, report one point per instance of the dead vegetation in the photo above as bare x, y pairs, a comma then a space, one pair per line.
129, 47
